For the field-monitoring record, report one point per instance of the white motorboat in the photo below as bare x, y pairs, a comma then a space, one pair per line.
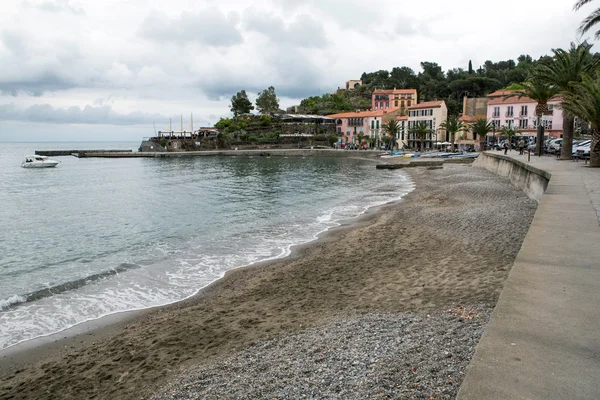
38, 162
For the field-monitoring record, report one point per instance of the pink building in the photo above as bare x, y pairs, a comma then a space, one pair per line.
396, 99
519, 114
351, 124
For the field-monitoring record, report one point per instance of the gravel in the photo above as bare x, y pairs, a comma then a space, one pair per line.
372, 356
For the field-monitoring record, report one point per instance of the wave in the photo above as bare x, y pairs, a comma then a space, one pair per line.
5, 304
16, 300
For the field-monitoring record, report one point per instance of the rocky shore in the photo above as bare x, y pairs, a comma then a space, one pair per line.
390, 307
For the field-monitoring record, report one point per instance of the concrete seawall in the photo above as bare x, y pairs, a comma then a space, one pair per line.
533, 181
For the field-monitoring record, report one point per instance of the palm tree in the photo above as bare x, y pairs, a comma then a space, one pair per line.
453, 125
564, 68
541, 92
509, 132
481, 127
392, 128
584, 101
421, 129
590, 21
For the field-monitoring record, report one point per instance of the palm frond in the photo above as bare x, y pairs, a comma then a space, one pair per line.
589, 22
580, 4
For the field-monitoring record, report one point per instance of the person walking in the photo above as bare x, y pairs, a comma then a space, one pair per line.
505, 147
521, 146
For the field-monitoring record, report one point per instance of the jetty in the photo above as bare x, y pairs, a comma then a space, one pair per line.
58, 153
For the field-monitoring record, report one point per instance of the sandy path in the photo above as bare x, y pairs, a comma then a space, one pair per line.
452, 241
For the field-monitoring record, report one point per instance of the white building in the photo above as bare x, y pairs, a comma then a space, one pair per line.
433, 113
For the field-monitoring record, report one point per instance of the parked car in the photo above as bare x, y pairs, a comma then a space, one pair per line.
554, 146
578, 145
584, 151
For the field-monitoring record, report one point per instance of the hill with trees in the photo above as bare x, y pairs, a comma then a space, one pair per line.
432, 83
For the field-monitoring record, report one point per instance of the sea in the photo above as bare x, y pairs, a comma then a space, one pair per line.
94, 237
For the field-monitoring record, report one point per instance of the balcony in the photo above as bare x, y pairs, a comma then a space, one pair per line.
509, 114
522, 115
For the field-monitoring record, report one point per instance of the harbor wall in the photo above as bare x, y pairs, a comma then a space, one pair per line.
531, 180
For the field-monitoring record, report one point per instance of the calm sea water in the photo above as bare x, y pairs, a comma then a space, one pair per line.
93, 237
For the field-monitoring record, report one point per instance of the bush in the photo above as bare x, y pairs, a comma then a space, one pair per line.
164, 142
252, 139
320, 138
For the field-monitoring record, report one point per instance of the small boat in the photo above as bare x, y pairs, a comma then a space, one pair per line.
38, 162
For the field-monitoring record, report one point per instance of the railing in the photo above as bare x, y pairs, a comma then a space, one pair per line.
509, 114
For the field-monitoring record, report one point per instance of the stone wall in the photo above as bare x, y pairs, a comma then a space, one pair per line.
531, 180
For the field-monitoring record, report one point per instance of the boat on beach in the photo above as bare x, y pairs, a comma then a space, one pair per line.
38, 162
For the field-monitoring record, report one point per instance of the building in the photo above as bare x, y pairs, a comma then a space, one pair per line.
391, 100
519, 114
433, 113
353, 84
367, 123
473, 109
402, 138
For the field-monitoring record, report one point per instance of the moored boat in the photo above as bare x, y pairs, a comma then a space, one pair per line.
38, 162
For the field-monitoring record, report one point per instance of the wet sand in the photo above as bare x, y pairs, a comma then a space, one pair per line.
451, 241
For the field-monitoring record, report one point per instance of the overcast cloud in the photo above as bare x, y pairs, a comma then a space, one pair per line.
133, 62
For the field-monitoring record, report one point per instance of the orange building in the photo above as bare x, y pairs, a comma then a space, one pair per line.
396, 99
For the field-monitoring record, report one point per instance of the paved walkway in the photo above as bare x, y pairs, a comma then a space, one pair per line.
543, 340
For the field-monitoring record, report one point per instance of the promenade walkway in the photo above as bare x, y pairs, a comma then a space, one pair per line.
543, 340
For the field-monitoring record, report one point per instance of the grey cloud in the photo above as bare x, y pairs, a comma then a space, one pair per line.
304, 31
409, 26
75, 115
36, 85
55, 6
210, 27
292, 73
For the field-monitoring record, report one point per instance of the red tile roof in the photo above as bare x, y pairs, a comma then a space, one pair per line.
361, 114
427, 104
499, 93
395, 91
401, 118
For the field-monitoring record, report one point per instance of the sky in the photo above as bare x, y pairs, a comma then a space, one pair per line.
96, 70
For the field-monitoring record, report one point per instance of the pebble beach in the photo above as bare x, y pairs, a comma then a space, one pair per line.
390, 306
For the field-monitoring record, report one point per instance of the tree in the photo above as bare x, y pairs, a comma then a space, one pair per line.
584, 101
563, 69
590, 21
509, 132
421, 130
541, 92
240, 104
470, 67
267, 101
481, 127
452, 125
392, 128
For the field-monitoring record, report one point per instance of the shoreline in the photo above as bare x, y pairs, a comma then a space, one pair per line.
102, 327
390, 261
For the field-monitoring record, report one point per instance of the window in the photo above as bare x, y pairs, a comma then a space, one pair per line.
523, 111
376, 105
496, 123
377, 124
396, 103
372, 124
387, 105
510, 123
496, 111
523, 123
409, 103
395, 96
402, 104
509, 111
